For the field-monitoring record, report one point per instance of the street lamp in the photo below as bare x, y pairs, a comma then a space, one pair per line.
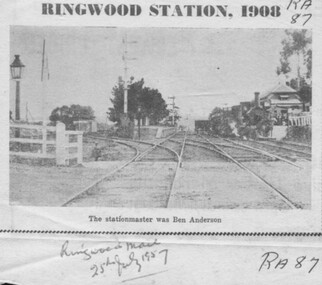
139, 122
16, 68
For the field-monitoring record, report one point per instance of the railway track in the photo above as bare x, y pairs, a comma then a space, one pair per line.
303, 151
153, 152
179, 165
281, 150
235, 157
249, 153
200, 145
159, 166
236, 144
232, 157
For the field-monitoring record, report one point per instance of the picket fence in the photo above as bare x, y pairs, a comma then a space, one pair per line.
302, 119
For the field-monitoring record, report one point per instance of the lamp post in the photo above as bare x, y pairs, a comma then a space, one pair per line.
16, 68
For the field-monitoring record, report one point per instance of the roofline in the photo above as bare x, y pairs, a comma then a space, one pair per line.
281, 93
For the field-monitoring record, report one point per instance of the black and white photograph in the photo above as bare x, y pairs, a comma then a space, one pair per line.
191, 118
164, 142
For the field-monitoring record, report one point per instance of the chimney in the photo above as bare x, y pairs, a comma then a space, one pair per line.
257, 99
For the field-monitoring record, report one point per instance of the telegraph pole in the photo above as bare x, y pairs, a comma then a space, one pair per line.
27, 112
44, 78
125, 74
173, 107
125, 60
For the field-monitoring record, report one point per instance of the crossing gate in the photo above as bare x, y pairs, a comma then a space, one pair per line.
65, 144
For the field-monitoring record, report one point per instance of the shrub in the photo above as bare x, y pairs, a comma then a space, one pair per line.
125, 131
248, 132
299, 133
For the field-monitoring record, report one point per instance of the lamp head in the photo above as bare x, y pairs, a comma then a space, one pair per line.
16, 68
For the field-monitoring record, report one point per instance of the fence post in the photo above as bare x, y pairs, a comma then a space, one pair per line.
80, 148
44, 139
60, 144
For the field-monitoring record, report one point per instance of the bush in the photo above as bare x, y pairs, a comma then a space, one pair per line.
125, 132
248, 132
221, 128
299, 133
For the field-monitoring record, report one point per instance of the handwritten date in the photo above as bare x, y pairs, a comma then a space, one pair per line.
133, 260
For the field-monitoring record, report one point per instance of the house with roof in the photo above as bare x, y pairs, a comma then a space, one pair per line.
282, 98
281, 101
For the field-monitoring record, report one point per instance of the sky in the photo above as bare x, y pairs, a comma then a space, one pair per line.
202, 68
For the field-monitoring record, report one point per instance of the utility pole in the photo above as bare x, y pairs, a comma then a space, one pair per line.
298, 72
125, 60
44, 78
27, 112
173, 107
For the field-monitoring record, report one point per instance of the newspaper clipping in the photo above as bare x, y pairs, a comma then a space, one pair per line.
161, 117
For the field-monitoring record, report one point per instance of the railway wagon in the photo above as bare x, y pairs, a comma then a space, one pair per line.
202, 125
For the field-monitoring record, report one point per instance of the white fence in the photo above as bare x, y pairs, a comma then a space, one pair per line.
302, 119
163, 132
60, 142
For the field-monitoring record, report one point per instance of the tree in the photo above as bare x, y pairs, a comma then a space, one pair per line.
68, 115
296, 55
82, 112
150, 100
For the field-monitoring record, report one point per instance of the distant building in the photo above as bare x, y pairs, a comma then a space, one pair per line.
277, 103
282, 98
87, 126
144, 121
203, 125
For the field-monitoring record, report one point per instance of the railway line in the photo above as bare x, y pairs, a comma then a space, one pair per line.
289, 151
241, 149
240, 154
105, 191
157, 175
235, 159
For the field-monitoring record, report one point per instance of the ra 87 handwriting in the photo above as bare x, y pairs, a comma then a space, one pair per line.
272, 260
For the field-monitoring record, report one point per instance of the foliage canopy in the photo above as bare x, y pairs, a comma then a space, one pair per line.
68, 115
150, 101
296, 55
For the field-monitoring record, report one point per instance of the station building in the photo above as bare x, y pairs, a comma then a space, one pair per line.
281, 100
